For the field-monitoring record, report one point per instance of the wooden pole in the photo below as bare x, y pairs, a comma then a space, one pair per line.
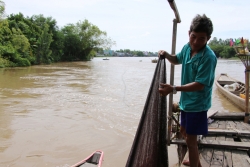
176, 20
247, 72
170, 113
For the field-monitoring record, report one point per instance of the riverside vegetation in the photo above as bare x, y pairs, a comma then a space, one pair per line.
35, 40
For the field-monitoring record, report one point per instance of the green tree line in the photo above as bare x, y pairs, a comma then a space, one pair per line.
35, 40
26, 41
138, 53
222, 48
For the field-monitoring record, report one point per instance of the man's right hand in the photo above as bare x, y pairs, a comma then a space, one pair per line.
162, 54
171, 58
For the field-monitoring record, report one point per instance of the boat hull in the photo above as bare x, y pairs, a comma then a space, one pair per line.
93, 160
233, 96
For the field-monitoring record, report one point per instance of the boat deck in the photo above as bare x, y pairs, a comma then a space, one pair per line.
227, 142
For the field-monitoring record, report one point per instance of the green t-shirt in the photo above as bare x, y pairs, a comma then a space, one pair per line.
200, 68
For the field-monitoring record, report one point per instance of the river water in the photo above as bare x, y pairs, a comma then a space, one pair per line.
56, 115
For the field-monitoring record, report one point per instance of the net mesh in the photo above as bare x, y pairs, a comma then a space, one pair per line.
149, 148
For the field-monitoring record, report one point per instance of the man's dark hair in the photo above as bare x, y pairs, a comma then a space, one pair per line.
202, 24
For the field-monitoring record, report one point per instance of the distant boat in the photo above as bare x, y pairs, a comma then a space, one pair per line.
154, 60
105, 59
94, 160
232, 89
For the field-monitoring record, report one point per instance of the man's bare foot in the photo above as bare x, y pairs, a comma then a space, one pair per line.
187, 163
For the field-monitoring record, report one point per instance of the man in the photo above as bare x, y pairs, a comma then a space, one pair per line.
197, 78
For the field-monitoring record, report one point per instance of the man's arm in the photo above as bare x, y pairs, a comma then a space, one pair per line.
171, 58
165, 89
190, 87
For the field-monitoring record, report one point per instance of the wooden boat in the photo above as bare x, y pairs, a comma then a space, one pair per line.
234, 95
94, 160
154, 60
227, 142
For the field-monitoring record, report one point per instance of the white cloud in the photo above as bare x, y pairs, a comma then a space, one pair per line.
145, 34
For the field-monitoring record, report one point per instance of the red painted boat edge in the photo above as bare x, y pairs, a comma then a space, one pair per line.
99, 162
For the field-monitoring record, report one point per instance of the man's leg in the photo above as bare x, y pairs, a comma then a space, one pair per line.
194, 160
183, 132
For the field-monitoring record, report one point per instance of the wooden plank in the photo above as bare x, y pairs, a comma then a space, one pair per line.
222, 125
228, 162
245, 125
211, 113
229, 115
218, 154
217, 144
213, 124
227, 131
228, 159
244, 138
239, 125
229, 138
240, 158
206, 154
231, 124
225, 144
218, 158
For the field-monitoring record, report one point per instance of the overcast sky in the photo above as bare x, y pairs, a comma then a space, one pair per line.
144, 25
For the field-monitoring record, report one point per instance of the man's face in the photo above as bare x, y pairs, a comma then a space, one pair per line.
197, 40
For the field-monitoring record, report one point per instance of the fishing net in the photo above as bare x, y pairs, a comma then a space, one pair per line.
149, 148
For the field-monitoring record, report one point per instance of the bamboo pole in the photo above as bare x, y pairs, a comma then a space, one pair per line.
175, 21
170, 113
247, 72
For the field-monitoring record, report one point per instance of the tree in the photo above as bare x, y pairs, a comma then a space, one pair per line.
43, 47
19, 41
72, 44
2, 10
6, 49
25, 28
83, 39
227, 52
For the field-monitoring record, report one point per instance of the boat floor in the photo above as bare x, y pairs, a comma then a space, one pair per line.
227, 143
88, 165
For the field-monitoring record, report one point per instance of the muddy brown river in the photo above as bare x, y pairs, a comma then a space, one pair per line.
56, 115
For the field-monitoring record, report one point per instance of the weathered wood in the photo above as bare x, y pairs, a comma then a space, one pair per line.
231, 96
229, 116
217, 144
228, 162
211, 113
239, 125
231, 124
206, 154
217, 158
247, 126
228, 131
222, 124
227, 159
240, 158
245, 139
229, 138
227, 142
214, 124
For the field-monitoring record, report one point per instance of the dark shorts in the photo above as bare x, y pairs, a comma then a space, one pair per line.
195, 123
